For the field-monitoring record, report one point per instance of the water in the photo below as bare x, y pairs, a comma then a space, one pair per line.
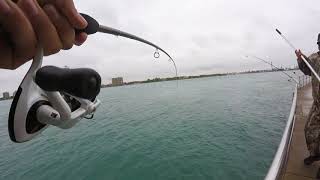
211, 128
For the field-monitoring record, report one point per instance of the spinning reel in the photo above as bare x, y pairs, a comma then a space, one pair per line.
52, 96
60, 97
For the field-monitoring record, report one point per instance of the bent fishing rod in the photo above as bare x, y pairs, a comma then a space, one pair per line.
265, 61
61, 97
94, 27
303, 58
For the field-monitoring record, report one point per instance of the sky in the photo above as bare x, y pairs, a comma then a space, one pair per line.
202, 36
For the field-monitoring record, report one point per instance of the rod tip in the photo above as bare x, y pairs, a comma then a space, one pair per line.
278, 31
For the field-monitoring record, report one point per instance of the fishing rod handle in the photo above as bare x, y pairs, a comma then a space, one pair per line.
92, 27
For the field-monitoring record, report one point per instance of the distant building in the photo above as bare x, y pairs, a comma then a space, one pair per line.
6, 95
117, 81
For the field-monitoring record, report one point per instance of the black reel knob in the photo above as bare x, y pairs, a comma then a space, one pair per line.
83, 82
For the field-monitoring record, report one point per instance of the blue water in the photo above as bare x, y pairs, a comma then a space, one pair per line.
210, 128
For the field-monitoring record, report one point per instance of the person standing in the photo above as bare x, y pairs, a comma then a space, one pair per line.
312, 126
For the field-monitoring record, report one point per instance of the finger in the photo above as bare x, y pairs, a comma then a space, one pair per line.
44, 29
80, 38
19, 30
5, 50
65, 30
6, 61
4, 7
69, 10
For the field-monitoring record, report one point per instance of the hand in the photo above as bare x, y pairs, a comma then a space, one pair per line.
66, 10
25, 25
299, 54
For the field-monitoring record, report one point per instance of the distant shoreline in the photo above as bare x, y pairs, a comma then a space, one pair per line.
195, 77
2, 99
184, 78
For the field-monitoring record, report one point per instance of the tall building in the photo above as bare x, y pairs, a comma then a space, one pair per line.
117, 81
6, 95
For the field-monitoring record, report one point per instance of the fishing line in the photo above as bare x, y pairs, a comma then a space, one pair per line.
293, 72
303, 58
260, 59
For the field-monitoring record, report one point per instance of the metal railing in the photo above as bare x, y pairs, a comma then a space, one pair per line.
281, 154
303, 81
280, 158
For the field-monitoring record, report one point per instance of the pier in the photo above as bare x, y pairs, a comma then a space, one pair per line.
288, 161
294, 168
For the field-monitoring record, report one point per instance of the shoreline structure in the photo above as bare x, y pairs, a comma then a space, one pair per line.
195, 77
183, 78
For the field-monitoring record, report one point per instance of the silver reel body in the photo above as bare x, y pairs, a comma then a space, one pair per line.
38, 104
34, 109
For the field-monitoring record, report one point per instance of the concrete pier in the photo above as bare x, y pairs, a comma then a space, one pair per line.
294, 168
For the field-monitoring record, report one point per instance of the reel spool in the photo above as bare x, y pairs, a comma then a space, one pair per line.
52, 96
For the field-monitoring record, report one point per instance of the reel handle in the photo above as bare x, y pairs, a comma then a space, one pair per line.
83, 82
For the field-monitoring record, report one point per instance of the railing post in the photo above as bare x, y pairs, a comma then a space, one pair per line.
309, 79
282, 151
306, 80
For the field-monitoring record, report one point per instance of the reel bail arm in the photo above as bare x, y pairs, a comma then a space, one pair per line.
59, 97
72, 93
52, 96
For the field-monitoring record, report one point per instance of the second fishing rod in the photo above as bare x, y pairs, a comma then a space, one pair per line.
275, 67
303, 57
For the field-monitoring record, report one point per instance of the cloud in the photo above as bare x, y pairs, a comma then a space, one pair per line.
207, 36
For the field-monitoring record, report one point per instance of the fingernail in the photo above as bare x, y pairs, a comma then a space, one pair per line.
32, 9
83, 21
4, 7
80, 39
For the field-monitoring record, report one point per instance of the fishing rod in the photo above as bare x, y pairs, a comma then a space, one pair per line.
303, 58
60, 97
94, 27
260, 59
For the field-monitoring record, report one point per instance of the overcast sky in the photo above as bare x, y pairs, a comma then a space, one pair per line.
203, 36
